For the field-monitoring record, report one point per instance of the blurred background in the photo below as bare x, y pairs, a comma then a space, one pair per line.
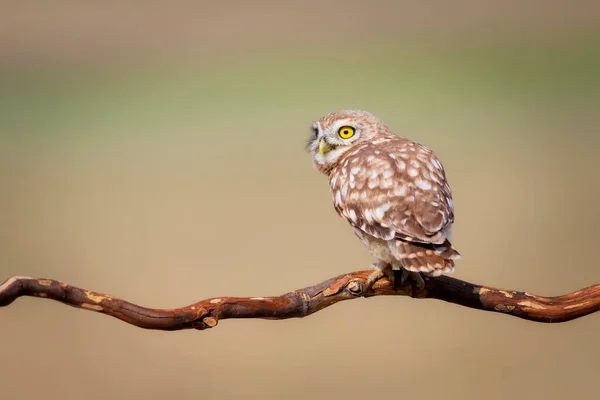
154, 152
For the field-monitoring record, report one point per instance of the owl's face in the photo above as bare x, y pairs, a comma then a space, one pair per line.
335, 134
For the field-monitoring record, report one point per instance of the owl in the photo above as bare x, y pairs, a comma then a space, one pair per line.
392, 191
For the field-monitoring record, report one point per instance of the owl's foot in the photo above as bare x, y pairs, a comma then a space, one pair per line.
415, 276
379, 270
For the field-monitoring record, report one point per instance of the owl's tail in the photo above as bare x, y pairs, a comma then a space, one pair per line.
433, 259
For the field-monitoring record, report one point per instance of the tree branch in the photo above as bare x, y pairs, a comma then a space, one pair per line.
303, 302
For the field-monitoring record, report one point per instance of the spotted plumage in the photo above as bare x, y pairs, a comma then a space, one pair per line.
391, 190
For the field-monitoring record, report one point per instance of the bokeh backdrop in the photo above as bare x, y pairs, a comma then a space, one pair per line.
155, 152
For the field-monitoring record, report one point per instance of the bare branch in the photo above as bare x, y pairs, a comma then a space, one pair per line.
303, 302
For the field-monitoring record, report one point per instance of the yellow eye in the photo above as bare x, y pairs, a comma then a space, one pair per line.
346, 132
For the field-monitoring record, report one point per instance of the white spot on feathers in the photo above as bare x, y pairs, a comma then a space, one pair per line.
381, 210
368, 216
423, 184
352, 215
386, 184
422, 157
400, 190
344, 190
375, 173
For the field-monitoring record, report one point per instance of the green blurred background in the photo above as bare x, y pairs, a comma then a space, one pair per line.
154, 151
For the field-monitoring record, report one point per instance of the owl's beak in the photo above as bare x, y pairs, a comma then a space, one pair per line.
324, 147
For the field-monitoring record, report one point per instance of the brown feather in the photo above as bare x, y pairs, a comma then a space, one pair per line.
428, 258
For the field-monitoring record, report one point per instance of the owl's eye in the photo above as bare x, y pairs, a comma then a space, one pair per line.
346, 132
315, 132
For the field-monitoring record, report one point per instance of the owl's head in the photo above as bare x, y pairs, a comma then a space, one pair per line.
339, 132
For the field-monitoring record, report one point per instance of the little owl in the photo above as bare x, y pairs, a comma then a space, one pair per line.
391, 190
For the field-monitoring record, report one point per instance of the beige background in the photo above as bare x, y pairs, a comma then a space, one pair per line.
155, 153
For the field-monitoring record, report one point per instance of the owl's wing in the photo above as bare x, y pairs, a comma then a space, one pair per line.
394, 189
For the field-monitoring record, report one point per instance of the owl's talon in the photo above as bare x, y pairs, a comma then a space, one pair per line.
389, 273
415, 276
379, 270
374, 276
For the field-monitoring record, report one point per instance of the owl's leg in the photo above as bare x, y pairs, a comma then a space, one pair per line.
415, 276
380, 269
